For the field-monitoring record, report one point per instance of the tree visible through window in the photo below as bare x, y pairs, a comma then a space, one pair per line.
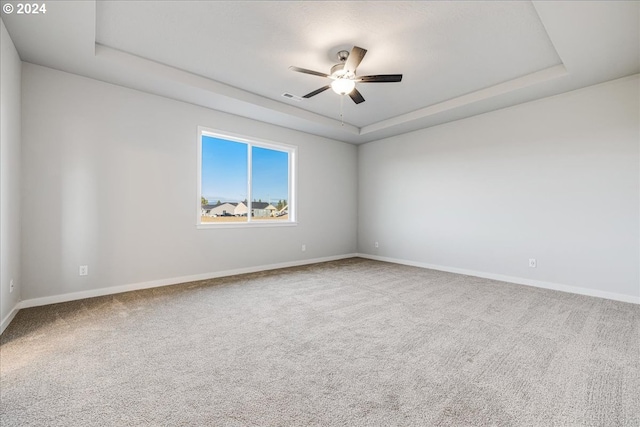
244, 181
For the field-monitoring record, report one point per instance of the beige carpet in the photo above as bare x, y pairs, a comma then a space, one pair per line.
346, 343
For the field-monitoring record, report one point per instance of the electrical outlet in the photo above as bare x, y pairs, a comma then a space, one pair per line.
83, 270
375, 245
532, 263
11, 286
304, 248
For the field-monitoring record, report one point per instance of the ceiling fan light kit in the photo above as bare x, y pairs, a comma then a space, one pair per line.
344, 75
343, 86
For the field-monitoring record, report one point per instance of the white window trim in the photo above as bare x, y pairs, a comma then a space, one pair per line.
256, 142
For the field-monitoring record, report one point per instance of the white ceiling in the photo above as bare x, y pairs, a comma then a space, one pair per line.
458, 59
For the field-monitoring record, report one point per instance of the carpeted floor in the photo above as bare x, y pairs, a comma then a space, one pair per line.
346, 343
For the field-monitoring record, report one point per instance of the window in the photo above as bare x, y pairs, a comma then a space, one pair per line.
244, 181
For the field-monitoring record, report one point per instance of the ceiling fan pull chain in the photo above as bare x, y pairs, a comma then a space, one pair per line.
341, 110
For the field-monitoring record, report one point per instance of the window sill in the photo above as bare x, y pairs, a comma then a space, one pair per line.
246, 225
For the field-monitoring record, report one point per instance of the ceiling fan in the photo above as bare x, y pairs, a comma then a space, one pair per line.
344, 75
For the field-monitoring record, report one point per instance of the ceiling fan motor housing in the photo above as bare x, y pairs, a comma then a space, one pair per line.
338, 69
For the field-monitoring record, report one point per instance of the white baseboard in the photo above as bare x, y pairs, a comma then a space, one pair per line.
72, 296
511, 279
54, 299
9, 317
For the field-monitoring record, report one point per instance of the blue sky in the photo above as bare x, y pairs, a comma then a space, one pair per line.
224, 172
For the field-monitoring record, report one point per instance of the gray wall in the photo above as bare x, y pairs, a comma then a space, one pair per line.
556, 180
109, 179
9, 176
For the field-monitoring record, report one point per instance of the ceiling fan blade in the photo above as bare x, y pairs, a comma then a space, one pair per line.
317, 91
354, 59
304, 70
356, 96
382, 78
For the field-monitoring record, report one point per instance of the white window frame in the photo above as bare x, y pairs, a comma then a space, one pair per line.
250, 142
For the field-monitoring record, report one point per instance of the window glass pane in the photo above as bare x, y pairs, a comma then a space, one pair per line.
269, 184
243, 181
224, 181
